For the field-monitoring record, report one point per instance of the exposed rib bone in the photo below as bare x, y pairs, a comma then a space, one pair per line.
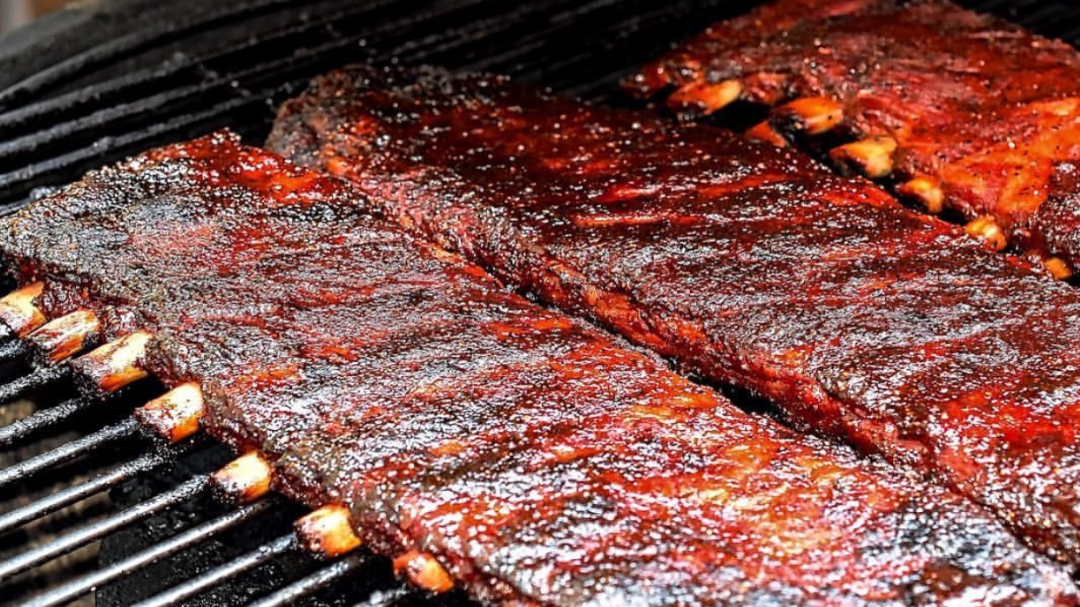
18, 312
704, 98
809, 115
424, 571
925, 190
243, 480
872, 157
115, 364
176, 414
988, 230
327, 531
1058, 268
62, 337
764, 131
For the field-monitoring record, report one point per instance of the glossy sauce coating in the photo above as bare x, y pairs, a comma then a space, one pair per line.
980, 105
538, 459
744, 263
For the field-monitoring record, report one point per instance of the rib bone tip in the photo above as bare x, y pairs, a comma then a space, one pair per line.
243, 480
176, 414
18, 310
872, 157
1058, 268
926, 191
705, 98
327, 531
63, 337
764, 131
117, 363
810, 115
424, 570
986, 229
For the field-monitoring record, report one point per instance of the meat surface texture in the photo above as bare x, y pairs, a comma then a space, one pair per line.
540, 460
984, 114
746, 264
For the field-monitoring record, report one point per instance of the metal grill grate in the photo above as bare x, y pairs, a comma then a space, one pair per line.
126, 76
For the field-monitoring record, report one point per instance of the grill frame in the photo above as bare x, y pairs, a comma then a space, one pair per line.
104, 97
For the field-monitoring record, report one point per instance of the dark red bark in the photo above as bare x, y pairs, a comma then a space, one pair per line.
540, 460
985, 108
745, 263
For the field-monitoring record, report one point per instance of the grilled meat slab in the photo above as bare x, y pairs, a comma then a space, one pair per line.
541, 461
984, 113
745, 263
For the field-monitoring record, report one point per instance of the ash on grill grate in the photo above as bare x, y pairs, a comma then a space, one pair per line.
111, 78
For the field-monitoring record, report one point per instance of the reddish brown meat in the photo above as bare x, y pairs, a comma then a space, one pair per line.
745, 263
541, 461
980, 107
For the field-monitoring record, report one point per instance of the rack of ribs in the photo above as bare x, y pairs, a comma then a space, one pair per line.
525, 454
745, 263
961, 111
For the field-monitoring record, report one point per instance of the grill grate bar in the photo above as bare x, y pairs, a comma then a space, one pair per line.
606, 17
38, 379
56, 168
194, 94
75, 493
48, 110
229, 84
261, 555
118, 47
74, 589
59, 165
534, 39
448, 38
112, 148
12, 350
16, 183
40, 421
315, 582
585, 75
594, 75
387, 598
43, 113
88, 533
68, 451
503, 23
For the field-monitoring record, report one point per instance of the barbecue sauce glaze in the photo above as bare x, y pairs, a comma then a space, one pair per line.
746, 264
983, 107
540, 460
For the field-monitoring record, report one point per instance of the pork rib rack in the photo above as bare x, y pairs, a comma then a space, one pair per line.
532, 457
746, 263
963, 111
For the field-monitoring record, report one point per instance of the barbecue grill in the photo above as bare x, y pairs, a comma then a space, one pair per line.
91, 505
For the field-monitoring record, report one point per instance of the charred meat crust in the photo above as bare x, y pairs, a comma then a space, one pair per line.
539, 460
745, 263
982, 107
